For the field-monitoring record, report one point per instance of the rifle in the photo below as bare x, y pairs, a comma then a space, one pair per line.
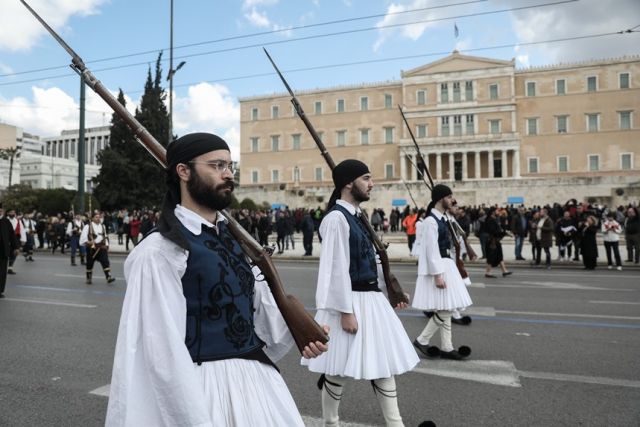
394, 290
454, 234
410, 195
302, 326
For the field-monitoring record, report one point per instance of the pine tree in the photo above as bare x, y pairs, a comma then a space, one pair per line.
129, 176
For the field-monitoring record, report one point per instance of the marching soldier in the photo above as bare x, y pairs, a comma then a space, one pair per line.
21, 237
94, 238
74, 228
29, 227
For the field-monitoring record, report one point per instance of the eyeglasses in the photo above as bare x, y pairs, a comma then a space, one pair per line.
219, 165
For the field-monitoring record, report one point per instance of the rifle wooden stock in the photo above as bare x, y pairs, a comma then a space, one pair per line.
394, 290
302, 326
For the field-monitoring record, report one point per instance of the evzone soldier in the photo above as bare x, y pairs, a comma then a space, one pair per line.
74, 228
94, 238
21, 236
199, 324
367, 339
29, 226
439, 286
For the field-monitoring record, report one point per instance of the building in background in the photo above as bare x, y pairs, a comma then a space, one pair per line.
494, 133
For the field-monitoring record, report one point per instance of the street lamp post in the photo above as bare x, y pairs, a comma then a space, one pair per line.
171, 73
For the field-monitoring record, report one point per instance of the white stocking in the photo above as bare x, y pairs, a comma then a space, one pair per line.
331, 395
385, 390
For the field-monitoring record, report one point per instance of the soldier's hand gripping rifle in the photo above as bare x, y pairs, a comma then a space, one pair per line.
430, 184
303, 327
396, 295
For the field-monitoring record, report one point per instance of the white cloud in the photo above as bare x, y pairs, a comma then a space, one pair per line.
51, 110
246, 4
19, 30
465, 43
5, 69
576, 19
258, 19
209, 108
523, 60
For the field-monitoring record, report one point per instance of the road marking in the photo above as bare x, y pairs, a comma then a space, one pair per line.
599, 316
563, 288
618, 382
476, 311
476, 285
614, 302
49, 302
102, 391
504, 373
80, 276
497, 372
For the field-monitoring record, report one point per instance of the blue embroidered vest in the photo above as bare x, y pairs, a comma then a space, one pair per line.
444, 239
362, 258
218, 285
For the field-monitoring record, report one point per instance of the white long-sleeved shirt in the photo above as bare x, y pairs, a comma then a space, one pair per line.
154, 376
429, 259
99, 230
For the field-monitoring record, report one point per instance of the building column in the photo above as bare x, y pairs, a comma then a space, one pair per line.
414, 172
403, 166
439, 167
516, 163
452, 174
478, 174
490, 164
504, 162
465, 175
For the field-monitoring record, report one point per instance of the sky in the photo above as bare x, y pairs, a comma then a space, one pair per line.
316, 43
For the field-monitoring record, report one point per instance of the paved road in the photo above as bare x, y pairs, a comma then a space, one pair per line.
550, 348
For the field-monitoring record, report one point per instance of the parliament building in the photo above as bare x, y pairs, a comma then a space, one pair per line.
494, 133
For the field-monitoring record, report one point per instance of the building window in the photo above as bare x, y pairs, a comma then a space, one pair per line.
275, 143
421, 97
625, 119
563, 164
445, 125
296, 174
592, 84
456, 91
531, 88
254, 177
533, 164
494, 127
254, 113
319, 174
470, 127
626, 161
444, 92
561, 88
624, 80
594, 162
73, 148
421, 131
275, 175
317, 107
561, 124
468, 91
388, 171
388, 101
364, 136
592, 122
295, 141
493, 91
341, 138
388, 135
457, 125
532, 126
274, 111
255, 144
364, 103
340, 106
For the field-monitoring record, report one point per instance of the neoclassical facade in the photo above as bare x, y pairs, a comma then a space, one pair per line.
496, 133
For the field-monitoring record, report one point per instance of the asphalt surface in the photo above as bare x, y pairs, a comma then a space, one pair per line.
550, 348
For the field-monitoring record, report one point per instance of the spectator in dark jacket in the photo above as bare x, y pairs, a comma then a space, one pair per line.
519, 228
632, 235
307, 228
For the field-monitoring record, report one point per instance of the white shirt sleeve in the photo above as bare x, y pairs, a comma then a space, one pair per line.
430, 261
154, 381
334, 282
84, 235
268, 321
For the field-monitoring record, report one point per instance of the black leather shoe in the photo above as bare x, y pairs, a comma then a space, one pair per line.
1, 296
11, 272
427, 350
506, 273
452, 355
464, 320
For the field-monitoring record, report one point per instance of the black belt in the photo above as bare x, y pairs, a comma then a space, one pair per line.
446, 253
365, 286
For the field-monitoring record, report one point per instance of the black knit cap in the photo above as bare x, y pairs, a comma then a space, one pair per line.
193, 145
439, 192
348, 171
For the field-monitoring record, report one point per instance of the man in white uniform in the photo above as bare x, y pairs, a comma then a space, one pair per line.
94, 237
198, 332
439, 286
368, 340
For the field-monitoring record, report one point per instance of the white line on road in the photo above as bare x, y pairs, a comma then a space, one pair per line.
49, 302
614, 302
580, 379
101, 391
476, 285
81, 276
562, 289
536, 313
